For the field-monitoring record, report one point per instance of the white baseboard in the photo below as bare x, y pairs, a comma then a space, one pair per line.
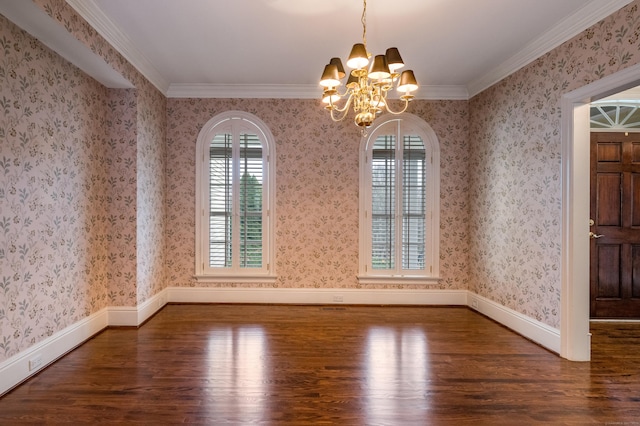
530, 328
316, 296
17, 368
134, 316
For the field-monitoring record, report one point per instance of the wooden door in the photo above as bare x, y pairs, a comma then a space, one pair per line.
615, 230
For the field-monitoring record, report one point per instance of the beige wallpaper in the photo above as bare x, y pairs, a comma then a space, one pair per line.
317, 190
516, 192
52, 184
150, 191
82, 187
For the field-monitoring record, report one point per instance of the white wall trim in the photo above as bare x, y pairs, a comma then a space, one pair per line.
130, 316
95, 16
253, 91
15, 370
292, 91
122, 316
543, 334
33, 19
150, 307
529, 328
316, 296
574, 299
591, 13
564, 30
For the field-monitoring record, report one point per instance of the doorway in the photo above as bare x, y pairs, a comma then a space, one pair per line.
575, 339
614, 219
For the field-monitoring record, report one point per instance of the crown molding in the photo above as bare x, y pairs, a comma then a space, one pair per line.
34, 20
258, 91
564, 30
440, 93
92, 13
281, 91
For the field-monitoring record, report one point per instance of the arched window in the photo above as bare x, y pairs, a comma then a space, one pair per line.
235, 209
399, 202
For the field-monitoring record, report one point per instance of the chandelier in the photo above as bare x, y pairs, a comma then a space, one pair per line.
367, 86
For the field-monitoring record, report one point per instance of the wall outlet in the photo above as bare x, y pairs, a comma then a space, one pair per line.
474, 303
35, 362
338, 298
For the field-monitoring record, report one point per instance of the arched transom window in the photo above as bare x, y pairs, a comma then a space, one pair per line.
615, 116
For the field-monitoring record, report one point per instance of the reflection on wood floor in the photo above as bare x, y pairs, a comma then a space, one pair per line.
351, 365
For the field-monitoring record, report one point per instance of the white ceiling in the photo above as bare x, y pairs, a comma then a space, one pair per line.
265, 48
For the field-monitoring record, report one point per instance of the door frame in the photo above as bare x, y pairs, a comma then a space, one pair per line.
575, 338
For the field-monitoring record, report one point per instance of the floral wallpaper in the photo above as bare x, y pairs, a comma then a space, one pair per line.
147, 192
316, 190
119, 199
81, 186
52, 128
515, 168
150, 189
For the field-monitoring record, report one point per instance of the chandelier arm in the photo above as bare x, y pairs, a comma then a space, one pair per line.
344, 111
404, 108
346, 91
344, 108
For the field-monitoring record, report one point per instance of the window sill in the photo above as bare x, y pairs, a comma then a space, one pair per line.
231, 278
397, 279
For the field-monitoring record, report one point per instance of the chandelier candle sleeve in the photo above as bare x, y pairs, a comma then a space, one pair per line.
367, 83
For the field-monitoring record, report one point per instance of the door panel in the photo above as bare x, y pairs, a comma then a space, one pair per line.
609, 206
635, 277
608, 271
635, 189
610, 153
615, 211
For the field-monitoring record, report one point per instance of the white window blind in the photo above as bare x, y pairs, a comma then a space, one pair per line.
234, 229
399, 202
250, 206
383, 203
220, 201
385, 207
413, 203
245, 216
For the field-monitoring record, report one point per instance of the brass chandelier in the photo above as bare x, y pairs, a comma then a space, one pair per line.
366, 87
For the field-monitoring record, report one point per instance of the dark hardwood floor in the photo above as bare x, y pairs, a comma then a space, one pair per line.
346, 365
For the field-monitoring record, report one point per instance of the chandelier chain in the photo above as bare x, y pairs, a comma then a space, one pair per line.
364, 24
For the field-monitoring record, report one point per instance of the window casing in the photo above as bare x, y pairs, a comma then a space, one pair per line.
399, 202
235, 207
